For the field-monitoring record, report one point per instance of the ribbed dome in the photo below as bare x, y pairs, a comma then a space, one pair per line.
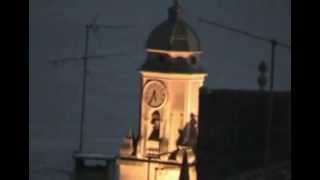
174, 34
173, 46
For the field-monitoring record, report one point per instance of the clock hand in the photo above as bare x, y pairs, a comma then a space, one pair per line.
153, 97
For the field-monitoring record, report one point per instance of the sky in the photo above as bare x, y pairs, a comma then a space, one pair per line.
56, 30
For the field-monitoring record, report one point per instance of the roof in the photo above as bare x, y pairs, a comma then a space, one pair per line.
92, 156
279, 171
173, 46
174, 34
232, 130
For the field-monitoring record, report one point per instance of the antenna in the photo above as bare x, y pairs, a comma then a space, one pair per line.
274, 43
91, 27
262, 79
95, 30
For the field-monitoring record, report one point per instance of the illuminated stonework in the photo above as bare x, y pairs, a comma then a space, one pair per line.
182, 101
152, 170
169, 106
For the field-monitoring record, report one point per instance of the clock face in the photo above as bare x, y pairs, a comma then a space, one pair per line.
155, 94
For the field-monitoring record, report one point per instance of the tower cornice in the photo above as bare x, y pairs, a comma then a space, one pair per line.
174, 76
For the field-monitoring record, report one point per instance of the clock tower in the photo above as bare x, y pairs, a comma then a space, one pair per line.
171, 78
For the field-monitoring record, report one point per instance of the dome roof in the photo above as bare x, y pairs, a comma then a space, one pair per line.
173, 46
174, 34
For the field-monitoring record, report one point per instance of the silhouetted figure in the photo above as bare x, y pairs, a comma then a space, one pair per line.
155, 134
188, 135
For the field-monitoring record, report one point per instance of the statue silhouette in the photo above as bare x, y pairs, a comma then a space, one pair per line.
188, 135
155, 134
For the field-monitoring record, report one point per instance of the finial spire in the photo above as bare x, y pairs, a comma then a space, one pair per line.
176, 2
175, 11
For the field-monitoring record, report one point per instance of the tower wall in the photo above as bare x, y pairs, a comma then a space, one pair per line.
134, 169
182, 100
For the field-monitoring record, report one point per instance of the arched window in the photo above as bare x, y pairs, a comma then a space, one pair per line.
155, 121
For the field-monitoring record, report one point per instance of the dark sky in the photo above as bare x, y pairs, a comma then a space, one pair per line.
56, 30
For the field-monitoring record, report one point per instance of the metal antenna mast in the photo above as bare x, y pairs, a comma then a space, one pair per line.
88, 27
273, 43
